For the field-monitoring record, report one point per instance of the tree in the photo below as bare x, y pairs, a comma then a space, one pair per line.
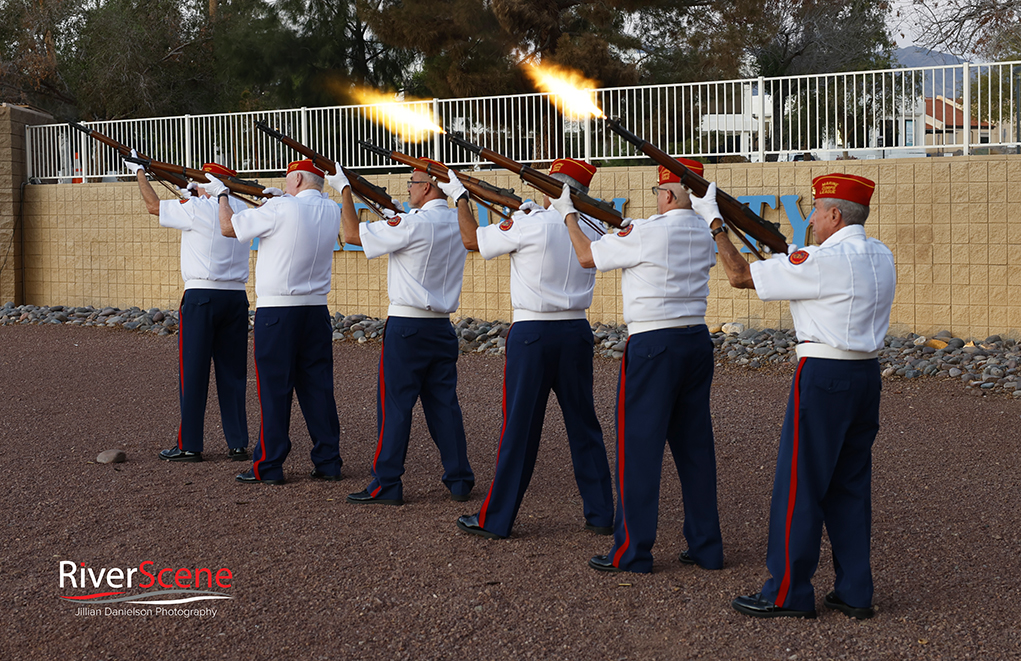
982, 27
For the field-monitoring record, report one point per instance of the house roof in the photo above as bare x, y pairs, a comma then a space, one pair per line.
942, 114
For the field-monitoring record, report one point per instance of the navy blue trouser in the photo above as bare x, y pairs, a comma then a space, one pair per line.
824, 475
212, 325
663, 397
544, 356
294, 354
419, 360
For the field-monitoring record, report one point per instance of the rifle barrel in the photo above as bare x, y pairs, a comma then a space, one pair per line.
734, 213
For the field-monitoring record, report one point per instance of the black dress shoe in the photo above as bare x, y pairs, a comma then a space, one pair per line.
686, 559
758, 606
599, 530
316, 475
364, 498
177, 454
603, 563
248, 477
460, 497
470, 525
838, 604
237, 454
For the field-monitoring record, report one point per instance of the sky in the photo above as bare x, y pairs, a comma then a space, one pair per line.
903, 26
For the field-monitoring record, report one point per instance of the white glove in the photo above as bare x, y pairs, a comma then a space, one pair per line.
272, 192
388, 213
338, 182
791, 249
563, 204
453, 189
706, 206
214, 186
528, 206
625, 222
133, 168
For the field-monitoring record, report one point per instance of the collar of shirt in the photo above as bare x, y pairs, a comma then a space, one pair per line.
672, 212
308, 192
844, 234
431, 204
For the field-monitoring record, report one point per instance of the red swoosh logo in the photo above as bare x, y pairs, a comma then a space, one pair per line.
93, 596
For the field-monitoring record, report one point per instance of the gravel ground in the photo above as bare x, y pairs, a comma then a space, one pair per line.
314, 577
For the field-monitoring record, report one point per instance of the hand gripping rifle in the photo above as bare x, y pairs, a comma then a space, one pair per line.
125, 152
736, 215
544, 183
375, 197
482, 192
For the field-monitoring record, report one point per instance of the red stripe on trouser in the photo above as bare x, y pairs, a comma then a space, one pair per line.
262, 417
792, 491
485, 503
382, 422
621, 398
180, 369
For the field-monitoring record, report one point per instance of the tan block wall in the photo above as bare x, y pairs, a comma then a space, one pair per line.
13, 171
953, 225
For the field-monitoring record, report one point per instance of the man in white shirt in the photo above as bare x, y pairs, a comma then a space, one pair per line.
665, 374
293, 333
841, 293
212, 319
549, 347
419, 356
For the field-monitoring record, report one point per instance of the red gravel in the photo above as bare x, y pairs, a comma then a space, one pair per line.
315, 577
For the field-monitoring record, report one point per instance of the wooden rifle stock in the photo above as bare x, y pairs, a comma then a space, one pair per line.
373, 195
482, 191
738, 216
544, 183
125, 152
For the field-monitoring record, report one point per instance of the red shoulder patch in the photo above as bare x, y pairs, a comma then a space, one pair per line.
506, 224
625, 231
393, 222
182, 200
798, 257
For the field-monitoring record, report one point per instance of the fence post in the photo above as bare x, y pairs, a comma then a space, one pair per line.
762, 119
304, 125
437, 143
188, 151
967, 109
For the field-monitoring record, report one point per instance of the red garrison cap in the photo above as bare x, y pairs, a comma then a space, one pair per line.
580, 171
668, 177
442, 168
304, 165
221, 170
848, 187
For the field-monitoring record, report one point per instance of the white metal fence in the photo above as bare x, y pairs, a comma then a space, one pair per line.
925, 111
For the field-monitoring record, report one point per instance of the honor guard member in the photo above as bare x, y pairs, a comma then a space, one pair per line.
419, 355
293, 333
841, 293
213, 317
549, 347
665, 374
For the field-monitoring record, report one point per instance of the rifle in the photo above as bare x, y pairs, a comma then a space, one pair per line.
482, 192
374, 197
125, 152
736, 215
544, 183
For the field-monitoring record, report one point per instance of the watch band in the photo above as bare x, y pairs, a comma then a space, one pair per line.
722, 229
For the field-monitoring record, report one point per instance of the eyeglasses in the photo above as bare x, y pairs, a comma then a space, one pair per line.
412, 182
657, 189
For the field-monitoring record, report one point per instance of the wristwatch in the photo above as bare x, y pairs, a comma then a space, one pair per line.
722, 229
223, 194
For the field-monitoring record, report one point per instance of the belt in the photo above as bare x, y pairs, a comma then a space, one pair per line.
820, 350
